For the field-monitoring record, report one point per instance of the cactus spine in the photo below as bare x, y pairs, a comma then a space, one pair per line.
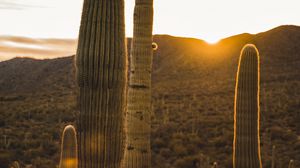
101, 75
291, 164
246, 145
273, 156
68, 157
137, 153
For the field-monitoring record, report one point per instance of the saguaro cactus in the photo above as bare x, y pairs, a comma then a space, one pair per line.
137, 153
291, 164
101, 75
68, 157
15, 164
215, 165
246, 146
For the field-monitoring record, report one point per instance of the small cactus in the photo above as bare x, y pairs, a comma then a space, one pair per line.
291, 164
246, 146
6, 142
15, 164
68, 157
273, 156
215, 165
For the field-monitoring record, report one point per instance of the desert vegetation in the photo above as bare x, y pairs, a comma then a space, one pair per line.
191, 122
191, 111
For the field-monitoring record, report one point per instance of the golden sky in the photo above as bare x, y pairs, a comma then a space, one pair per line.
210, 20
11, 47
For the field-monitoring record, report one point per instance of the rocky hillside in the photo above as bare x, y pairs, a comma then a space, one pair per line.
193, 91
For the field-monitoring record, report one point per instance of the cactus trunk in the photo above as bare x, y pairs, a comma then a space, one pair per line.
137, 153
246, 147
101, 76
68, 157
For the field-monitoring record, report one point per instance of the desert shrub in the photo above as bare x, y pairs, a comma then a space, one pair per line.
5, 159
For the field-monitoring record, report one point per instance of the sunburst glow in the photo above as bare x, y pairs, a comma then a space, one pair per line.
210, 20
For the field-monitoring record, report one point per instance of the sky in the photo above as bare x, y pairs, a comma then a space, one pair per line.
210, 20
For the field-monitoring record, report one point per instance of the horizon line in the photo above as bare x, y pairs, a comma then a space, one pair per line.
158, 34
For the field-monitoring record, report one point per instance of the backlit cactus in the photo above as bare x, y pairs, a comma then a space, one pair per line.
15, 164
101, 75
246, 147
291, 164
137, 153
68, 157
215, 165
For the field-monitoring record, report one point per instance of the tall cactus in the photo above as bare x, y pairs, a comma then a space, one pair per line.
273, 156
101, 75
137, 153
68, 157
246, 147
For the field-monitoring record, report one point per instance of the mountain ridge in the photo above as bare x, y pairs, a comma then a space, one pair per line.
68, 46
193, 92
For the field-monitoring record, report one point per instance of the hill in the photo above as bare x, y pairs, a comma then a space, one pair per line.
193, 93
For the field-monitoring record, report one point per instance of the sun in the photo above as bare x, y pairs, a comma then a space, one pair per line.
212, 40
